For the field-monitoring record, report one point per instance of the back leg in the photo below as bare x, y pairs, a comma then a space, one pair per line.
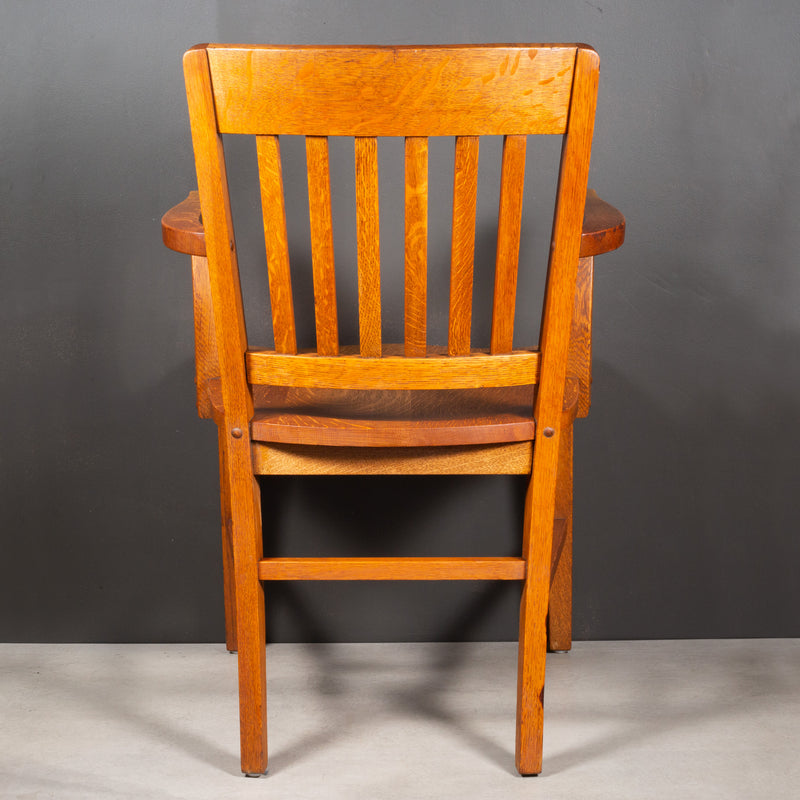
559, 619
229, 584
248, 548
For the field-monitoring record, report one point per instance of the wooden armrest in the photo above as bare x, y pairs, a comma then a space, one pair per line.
603, 227
182, 227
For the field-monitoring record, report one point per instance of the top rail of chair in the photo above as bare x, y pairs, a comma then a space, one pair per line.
354, 90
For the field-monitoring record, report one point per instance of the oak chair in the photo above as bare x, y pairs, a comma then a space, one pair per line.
378, 407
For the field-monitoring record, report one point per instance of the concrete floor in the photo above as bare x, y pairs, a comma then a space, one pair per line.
668, 719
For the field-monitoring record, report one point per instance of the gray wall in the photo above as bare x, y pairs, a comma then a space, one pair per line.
686, 471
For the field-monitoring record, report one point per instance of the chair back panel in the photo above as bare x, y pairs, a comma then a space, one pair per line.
392, 91
416, 93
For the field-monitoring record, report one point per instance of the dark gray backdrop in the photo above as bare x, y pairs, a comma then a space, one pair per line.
686, 470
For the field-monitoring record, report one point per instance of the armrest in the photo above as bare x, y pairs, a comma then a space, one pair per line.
182, 227
603, 227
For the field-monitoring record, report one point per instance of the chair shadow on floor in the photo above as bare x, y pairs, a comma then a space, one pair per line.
424, 695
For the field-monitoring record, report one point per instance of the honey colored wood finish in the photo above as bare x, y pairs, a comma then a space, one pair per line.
554, 343
277, 243
348, 418
245, 501
473, 371
391, 569
512, 184
392, 91
465, 198
603, 227
579, 360
489, 459
381, 408
319, 202
416, 245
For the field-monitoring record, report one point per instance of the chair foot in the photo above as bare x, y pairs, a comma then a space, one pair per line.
254, 774
560, 652
235, 652
530, 774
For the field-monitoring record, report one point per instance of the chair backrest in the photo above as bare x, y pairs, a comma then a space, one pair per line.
413, 92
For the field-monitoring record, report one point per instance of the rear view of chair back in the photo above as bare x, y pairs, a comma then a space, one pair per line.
416, 93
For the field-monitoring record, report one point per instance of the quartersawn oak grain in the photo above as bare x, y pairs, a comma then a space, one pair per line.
380, 408
603, 227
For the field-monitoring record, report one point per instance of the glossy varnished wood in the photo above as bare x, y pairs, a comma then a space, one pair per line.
603, 227
554, 342
341, 418
392, 569
321, 224
416, 245
509, 222
462, 259
392, 91
270, 176
182, 227
368, 242
380, 408
437, 371
489, 459
236, 457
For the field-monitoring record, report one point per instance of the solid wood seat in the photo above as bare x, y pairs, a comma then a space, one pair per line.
418, 407
374, 418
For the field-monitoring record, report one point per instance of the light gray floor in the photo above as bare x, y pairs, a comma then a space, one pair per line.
669, 719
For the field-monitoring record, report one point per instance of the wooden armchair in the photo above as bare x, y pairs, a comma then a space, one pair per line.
382, 408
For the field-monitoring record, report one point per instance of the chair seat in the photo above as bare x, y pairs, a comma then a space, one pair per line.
350, 418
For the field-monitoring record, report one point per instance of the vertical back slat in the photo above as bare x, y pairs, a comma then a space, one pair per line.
319, 206
368, 240
416, 245
509, 223
465, 195
270, 178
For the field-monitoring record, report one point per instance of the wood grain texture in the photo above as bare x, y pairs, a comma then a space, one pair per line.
374, 410
228, 569
206, 363
509, 226
579, 360
393, 372
603, 227
212, 183
321, 222
492, 459
231, 344
554, 343
416, 245
392, 91
462, 248
182, 227
341, 418
368, 245
392, 569
273, 207
559, 616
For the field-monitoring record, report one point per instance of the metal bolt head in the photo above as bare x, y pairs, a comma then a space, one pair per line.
548, 432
